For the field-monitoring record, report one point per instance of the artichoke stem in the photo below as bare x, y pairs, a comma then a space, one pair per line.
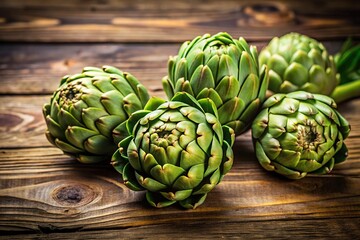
346, 91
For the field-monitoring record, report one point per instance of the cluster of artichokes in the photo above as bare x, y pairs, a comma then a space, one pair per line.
179, 149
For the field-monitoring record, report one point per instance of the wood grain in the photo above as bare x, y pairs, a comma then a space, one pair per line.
53, 193
162, 21
45, 194
340, 228
42, 190
37, 69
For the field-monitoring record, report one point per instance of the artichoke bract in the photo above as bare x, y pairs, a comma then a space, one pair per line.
299, 133
298, 62
87, 114
223, 69
177, 151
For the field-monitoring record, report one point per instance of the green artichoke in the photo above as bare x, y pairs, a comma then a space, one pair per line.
87, 114
299, 133
223, 69
177, 151
297, 62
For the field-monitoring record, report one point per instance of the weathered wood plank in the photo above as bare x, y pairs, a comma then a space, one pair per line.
37, 69
339, 228
21, 122
48, 192
164, 21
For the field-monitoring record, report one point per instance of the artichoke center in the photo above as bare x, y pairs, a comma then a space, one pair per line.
70, 94
219, 48
308, 137
164, 138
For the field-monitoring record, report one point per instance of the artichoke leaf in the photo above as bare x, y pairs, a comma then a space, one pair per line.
56, 130
289, 173
148, 161
308, 165
193, 201
157, 200
130, 178
228, 159
131, 103
149, 183
166, 174
191, 156
288, 158
208, 106
111, 100
285, 107
99, 144
91, 117
227, 67
181, 71
65, 119
183, 85
271, 146
177, 195
210, 94
103, 84
66, 147
213, 65
215, 159
112, 70
118, 161
296, 74
204, 134
263, 159
195, 59
78, 135
231, 109
228, 88
201, 78
154, 103
193, 178
260, 124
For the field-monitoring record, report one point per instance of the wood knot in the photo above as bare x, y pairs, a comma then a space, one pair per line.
268, 13
70, 194
74, 195
9, 121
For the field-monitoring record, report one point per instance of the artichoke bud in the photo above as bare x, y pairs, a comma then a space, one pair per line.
298, 62
299, 133
87, 114
218, 67
177, 152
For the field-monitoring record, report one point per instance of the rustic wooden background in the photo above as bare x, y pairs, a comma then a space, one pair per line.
45, 194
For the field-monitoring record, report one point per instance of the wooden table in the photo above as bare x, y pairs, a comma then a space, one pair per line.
45, 194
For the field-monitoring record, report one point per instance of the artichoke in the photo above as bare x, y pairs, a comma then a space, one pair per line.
177, 151
223, 69
299, 133
87, 114
297, 62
